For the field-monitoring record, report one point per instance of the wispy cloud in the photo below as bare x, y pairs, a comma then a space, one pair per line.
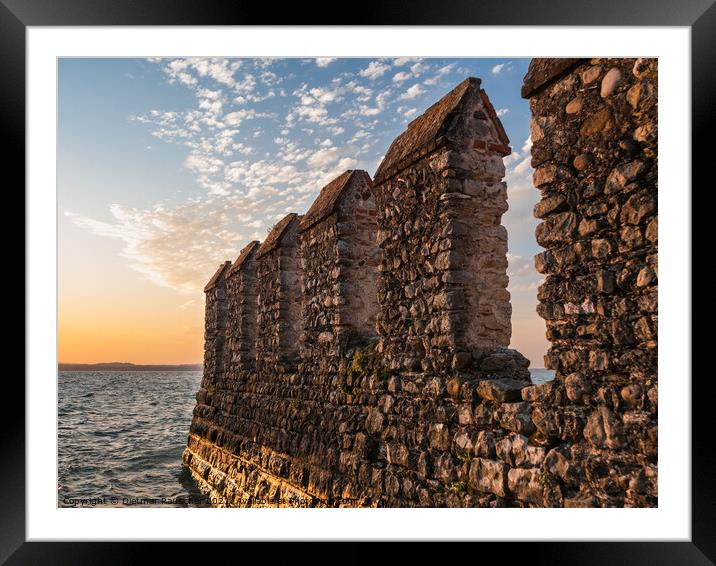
176, 248
522, 274
400, 61
259, 142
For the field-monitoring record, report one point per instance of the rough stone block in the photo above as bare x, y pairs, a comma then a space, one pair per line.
489, 476
500, 390
526, 485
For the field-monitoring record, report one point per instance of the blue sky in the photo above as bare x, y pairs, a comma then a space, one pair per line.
166, 167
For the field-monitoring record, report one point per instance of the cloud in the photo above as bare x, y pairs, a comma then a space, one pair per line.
178, 248
523, 283
364, 93
497, 69
187, 71
369, 111
179, 245
400, 77
527, 145
311, 113
502, 111
324, 61
520, 221
374, 70
236, 118
413, 92
400, 61
323, 157
313, 105
441, 72
253, 156
203, 164
324, 95
519, 266
359, 135
418, 68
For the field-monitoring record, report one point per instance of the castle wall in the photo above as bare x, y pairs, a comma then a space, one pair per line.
359, 260
434, 410
214, 376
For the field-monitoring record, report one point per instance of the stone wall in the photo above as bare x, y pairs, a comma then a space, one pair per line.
278, 318
405, 393
594, 135
242, 304
443, 295
215, 325
338, 265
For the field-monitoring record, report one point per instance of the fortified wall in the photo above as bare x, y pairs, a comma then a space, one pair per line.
358, 356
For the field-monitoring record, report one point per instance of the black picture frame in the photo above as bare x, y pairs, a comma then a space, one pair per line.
699, 15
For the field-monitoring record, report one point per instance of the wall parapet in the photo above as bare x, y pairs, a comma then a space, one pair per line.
594, 150
278, 310
241, 327
338, 249
440, 191
542, 72
381, 319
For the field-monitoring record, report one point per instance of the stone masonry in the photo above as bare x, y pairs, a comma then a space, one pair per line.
339, 256
443, 285
215, 323
242, 311
278, 309
359, 355
594, 135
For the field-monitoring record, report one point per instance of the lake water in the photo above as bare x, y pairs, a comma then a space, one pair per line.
541, 375
121, 436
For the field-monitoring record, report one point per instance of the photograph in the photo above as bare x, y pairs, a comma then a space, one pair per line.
357, 282
392, 279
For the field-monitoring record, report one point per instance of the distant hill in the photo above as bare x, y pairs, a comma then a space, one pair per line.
126, 366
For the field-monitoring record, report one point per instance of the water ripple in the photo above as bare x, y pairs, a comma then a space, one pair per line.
121, 435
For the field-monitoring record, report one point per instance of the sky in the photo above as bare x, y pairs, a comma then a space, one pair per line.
167, 167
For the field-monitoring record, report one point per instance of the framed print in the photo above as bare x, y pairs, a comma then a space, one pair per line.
394, 279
